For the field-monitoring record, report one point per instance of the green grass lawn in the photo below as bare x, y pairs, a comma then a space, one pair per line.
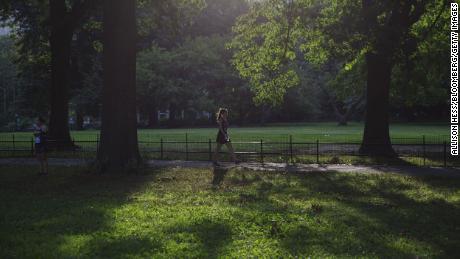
168, 213
301, 132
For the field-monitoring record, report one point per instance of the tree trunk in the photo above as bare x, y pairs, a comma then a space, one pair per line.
376, 138
342, 119
119, 146
265, 114
79, 120
172, 114
153, 116
60, 42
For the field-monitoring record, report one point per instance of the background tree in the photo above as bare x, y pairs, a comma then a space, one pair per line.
63, 23
30, 49
184, 64
384, 40
264, 45
419, 84
325, 32
194, 74
57, 20
8, 82
86, 71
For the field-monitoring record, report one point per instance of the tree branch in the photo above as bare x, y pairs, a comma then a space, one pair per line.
432, 26
79, 9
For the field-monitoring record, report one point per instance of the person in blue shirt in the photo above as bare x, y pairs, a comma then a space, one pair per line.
40, 131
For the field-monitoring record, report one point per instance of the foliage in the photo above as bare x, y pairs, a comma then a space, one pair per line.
420, 78
8, 80
164, 21
330, 36
197, 75
217, 17
30, 52
297, 60
264, 45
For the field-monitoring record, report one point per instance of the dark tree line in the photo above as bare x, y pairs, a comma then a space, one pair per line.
293, 61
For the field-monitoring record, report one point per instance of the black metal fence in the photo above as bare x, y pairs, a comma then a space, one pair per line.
423, 151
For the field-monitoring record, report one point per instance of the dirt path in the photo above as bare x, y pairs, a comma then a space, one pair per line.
280, 167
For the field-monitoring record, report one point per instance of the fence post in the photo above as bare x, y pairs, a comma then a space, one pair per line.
161, 148
209, 149
73, 146
186, 146
261, 151
317, 151
424, 151
290, 147
445, 154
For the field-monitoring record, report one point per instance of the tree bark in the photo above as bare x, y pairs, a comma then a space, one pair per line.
342, 119
62, 26
119, 145
60, 42
153, 116
376, 138
265, 114
172, 114
79, 120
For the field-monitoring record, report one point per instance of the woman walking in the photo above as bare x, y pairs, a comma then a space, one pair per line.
222, 136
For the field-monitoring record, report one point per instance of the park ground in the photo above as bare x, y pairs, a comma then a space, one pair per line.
324, 131
408, 140
226, 212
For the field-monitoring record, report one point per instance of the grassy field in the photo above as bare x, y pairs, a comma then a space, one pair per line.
300, 132
203, 213
246, 142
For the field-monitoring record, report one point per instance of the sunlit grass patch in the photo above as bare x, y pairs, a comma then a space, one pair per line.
176, 212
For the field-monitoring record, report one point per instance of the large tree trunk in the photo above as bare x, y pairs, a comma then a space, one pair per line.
60, 41
119, 146
376, 138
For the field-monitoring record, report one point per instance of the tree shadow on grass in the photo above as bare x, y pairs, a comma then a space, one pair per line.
388, 216
124, 247
384, 160
211, 235
218, 174
40, 214
375, 216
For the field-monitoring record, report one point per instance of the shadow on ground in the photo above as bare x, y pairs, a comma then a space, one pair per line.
317, 214
383, 215
40, 213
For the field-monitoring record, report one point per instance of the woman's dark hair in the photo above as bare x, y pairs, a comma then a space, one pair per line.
220, 112
41, 119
